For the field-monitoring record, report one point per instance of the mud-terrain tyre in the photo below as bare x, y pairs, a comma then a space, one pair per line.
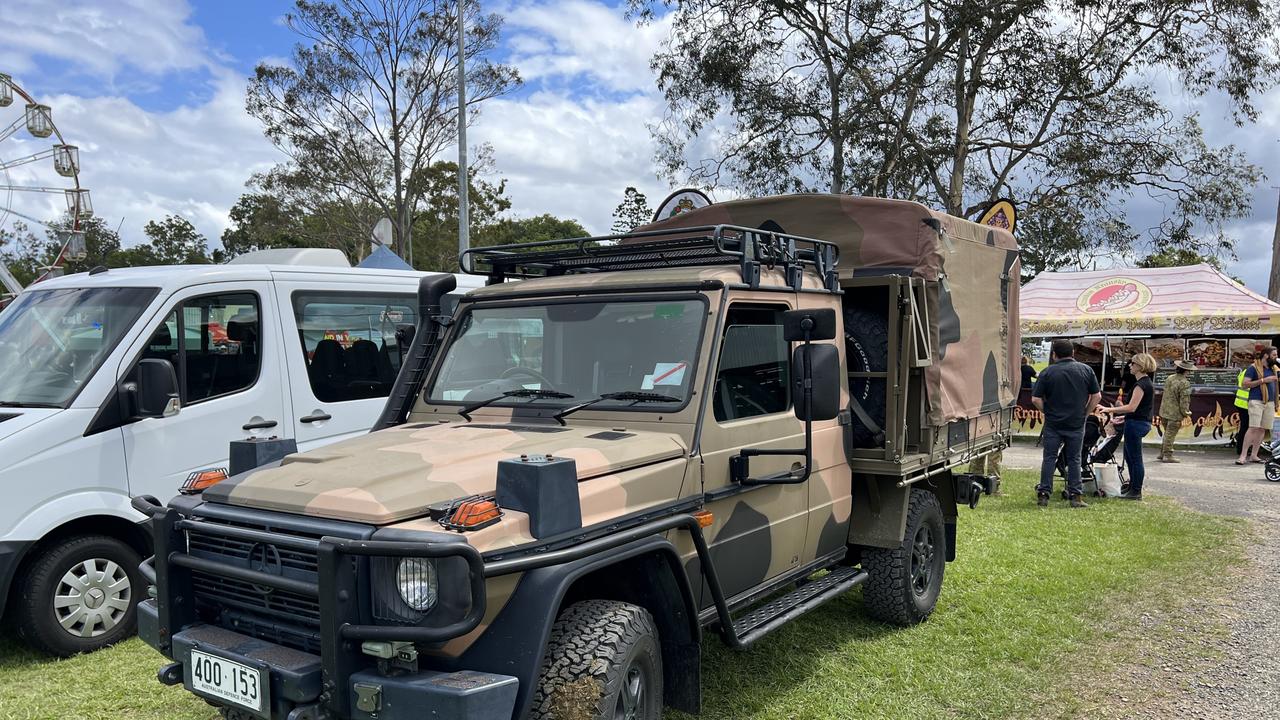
602, 661
866, 344
97, 577
903, 583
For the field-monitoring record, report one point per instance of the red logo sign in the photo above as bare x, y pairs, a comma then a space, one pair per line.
1117, 294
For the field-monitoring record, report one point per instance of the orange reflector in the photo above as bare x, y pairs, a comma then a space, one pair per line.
705, 518
472, 514
202, 480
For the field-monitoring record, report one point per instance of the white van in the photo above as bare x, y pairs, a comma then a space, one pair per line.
89, 365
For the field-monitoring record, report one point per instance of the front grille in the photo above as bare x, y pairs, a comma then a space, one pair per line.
278, 616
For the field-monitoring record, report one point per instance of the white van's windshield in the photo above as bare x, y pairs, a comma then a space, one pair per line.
575, 352
52, 341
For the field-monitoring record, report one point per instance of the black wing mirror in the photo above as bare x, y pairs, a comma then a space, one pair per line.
154, 391
806, 325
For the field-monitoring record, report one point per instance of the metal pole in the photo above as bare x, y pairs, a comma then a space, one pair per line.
464, 233
1273, 287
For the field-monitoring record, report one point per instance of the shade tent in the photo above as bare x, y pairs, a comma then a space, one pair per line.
383, 259
1192, 300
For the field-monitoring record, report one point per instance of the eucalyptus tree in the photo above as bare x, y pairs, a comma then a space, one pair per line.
369, 97
1068, 106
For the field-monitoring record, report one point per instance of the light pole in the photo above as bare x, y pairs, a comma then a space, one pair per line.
464, 233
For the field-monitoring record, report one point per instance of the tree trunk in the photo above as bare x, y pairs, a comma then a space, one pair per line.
955, 188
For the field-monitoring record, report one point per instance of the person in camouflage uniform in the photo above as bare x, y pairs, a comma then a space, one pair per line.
1175, 407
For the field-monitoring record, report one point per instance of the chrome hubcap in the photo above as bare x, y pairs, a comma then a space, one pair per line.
92, 598
922, 560
631, 699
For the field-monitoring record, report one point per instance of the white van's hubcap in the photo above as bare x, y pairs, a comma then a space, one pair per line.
92, 597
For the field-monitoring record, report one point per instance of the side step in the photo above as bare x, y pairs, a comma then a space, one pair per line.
770, 616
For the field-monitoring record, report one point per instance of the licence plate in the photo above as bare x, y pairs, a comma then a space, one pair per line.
222, 679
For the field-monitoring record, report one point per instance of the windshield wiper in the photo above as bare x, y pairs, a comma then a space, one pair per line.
466, 410
15, 403
631, 395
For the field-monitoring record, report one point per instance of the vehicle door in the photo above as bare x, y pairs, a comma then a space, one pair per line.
342, 354
758, 532
223, 348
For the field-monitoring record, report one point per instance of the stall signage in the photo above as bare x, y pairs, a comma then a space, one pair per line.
1114, 294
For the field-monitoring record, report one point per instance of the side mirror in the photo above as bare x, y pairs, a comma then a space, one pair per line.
154, 391
819, 325
823, 363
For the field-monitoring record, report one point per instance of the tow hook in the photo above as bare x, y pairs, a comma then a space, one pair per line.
170, 674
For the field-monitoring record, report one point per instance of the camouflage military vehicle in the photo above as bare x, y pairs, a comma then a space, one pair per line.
714, 424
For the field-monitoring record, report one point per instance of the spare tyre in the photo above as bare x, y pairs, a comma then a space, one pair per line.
866, 342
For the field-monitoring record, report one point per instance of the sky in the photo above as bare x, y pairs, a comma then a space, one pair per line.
152, 91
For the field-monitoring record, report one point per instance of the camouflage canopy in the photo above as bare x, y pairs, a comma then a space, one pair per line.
972, 270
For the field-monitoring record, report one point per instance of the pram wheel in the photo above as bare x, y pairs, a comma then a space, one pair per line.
1272, 470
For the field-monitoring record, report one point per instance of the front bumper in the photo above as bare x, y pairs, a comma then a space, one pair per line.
297, 681
11, 553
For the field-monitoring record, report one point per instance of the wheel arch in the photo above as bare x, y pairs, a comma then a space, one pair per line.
135, 535
514, 644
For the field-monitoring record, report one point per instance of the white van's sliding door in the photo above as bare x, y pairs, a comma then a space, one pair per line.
340, 340
224, 344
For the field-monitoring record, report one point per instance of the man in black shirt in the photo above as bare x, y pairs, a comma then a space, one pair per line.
1066, 392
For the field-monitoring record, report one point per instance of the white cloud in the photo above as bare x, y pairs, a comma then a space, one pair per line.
579, 40
102, 39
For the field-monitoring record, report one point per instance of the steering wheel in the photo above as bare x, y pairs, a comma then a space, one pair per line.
528, 372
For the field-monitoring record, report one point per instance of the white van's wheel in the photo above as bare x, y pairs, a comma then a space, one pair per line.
79, 595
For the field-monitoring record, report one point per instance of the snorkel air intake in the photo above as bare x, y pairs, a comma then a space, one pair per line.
422, 350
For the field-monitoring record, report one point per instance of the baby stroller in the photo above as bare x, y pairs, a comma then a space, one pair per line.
1099, 446
1272, 468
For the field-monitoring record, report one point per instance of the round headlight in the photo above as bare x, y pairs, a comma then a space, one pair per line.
416, 579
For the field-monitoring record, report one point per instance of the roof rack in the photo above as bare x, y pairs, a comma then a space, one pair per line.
750, 249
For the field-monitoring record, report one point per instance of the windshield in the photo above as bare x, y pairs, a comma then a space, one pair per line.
52, 341
583, 349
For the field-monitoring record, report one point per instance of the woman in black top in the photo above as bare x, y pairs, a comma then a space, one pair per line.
1028, 373
1137, 422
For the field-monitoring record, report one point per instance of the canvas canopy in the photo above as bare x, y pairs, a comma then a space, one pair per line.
970, 270
1193, 300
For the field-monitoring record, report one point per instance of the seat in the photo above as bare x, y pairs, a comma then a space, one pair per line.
327, 371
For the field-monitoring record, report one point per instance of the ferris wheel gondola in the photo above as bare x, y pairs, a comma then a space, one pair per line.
37, 119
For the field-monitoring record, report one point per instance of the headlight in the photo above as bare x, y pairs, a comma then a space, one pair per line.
419, 587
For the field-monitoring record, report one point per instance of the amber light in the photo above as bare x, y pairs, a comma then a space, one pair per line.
705, 518
202, 480
474, 513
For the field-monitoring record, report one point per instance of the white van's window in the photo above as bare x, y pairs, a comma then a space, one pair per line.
214, 343
52, 341
349, 341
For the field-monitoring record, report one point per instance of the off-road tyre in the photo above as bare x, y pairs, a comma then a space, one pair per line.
891, 592
602, 659
36, 617
866, 344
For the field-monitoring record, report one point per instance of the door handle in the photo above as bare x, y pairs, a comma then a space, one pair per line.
260, 425
315, 418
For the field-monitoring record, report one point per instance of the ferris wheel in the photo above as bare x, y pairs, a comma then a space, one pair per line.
24, 175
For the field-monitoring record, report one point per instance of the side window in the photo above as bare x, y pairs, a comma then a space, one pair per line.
221, 351
349, 341
213, 342
754, 377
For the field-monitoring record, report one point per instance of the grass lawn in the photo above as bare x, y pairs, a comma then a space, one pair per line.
1032, 593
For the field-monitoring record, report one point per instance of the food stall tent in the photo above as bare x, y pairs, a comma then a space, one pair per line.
1193, 312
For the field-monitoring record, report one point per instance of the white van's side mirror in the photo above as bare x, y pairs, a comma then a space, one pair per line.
154, 392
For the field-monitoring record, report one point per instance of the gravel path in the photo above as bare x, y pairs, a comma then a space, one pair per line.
1245, 682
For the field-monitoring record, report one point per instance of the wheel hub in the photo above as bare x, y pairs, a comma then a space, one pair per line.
631, 696
922, 558
92, 597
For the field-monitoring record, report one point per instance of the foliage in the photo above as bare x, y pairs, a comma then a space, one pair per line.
259, 221
435, 226
1178, 257
509, 231
172, 240
370, 98
1059, 104
632, 212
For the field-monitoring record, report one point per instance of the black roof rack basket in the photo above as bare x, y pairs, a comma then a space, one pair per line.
750, 249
